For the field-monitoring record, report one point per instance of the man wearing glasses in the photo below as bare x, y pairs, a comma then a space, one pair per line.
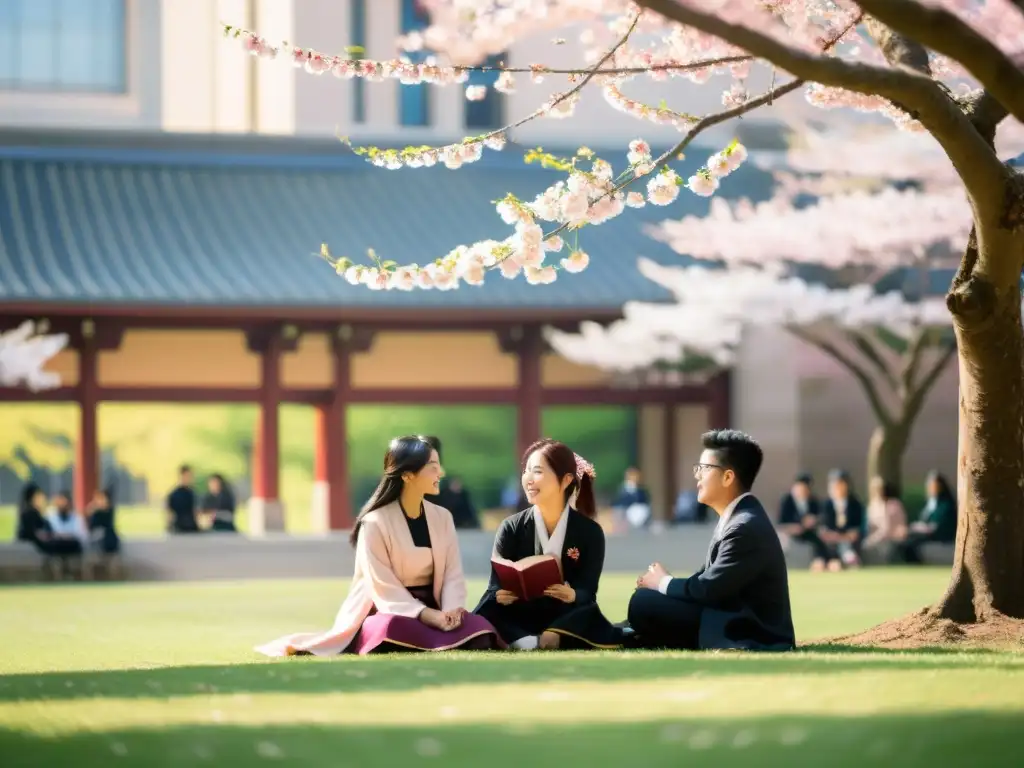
740, 598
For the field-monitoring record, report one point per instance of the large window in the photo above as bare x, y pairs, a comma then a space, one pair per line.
63, 45
358, 24
489, 112
414, 100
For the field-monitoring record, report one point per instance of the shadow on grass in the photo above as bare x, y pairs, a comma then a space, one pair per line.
400, 672
936, 650
904, 740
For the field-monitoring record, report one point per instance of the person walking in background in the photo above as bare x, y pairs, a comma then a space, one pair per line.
218, 504
800, 516
181, 504
453, 495
842, 524
887, 519
938, 519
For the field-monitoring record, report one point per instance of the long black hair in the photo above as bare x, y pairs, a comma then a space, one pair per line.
945, 492
405, 454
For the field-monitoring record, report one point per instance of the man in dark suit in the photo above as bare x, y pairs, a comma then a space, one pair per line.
740, 598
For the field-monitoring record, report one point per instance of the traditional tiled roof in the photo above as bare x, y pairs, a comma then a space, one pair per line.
227, 222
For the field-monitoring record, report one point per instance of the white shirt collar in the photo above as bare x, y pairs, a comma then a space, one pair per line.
551, 545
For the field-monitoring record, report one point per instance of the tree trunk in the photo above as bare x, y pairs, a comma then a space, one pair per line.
988, 569
885, 453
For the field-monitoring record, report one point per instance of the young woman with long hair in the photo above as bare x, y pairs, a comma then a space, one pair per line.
560, 522
408, 591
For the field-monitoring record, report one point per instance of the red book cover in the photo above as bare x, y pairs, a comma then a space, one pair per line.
528, 578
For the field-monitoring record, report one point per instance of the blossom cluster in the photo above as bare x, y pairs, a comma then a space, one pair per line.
23, 355
588, 196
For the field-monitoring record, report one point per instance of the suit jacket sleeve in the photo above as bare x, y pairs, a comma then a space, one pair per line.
453, 587
787, 511
738, 563
587, 578
388, 592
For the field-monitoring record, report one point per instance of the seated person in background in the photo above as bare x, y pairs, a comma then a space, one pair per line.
408, 591
560, 523
453, 495
740, 598
33, 528
102, 530
842, 523
181, 504
219, 504
938, 519
64, 522
887, 519
632, 503
799, 516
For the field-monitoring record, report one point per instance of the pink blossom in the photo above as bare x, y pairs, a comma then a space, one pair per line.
403, 279
510, 267
476, 92
576, 262
635, 200
703, 184
663, 189
24, 354
505, 83
553, 244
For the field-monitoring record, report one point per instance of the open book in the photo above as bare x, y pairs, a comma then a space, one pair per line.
528, 578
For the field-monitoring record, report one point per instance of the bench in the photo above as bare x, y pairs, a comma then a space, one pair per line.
282, 556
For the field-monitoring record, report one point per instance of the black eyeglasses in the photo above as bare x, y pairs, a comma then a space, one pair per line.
700, 469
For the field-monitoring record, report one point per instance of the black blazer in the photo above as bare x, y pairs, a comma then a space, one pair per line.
855, 519
584, 538
743, 586
789, 513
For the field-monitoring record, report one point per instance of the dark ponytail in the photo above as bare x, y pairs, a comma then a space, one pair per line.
563, 461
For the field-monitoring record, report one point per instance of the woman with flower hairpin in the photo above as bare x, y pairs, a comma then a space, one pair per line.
559, 485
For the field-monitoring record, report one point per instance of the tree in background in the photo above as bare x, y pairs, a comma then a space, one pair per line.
947, 68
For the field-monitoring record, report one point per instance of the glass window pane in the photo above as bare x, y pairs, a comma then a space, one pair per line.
38, 53
414, 100
9, 15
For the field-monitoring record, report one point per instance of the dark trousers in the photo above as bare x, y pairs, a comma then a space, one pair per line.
660, 621
819, 550
909, 550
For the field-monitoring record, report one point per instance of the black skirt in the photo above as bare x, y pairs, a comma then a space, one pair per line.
580, 626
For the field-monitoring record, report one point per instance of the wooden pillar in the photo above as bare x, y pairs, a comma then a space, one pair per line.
332, 499
529, 346
266, 512
87, 464
720, 401
670, 452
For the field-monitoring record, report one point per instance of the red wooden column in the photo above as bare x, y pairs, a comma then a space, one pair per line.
527, 343
266, 513
720, 401
670, 450
332, 506
87, 464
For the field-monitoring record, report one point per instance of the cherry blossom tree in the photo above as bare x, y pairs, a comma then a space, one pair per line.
895, 349
945, 68
23, 355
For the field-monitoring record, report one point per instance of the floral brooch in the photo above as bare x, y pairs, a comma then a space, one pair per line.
573, 552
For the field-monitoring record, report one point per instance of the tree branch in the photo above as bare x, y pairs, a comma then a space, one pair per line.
973, 159
985, 112
912, 405
866, 382
947, 33
912, 359
866, 346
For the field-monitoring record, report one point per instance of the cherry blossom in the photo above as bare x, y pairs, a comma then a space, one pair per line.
623, 41
23, 355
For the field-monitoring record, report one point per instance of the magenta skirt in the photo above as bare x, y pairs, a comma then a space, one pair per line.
387, 633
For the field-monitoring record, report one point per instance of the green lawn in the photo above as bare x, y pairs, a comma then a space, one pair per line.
164, 674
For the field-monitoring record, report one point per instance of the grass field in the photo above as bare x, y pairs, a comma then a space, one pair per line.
163, 674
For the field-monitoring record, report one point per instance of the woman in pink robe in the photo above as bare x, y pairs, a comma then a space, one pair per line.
408, 591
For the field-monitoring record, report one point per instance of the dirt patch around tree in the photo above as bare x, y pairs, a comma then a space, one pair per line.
925, 629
